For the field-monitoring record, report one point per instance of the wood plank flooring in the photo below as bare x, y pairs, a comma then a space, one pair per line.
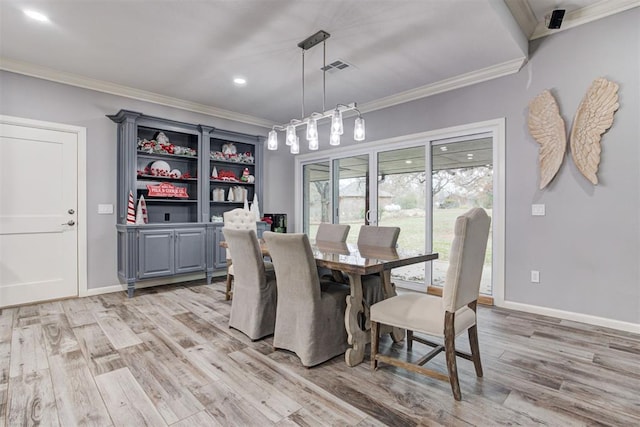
168, 357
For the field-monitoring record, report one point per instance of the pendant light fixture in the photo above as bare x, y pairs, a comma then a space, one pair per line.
311, 122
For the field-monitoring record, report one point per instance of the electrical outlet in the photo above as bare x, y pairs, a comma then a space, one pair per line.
535, 276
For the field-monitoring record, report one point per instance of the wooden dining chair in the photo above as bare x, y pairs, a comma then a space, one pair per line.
445, 317
309, 320
253, 308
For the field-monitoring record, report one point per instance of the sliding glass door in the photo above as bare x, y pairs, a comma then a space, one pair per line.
351, 193
461, 178
317, 196
402, 202
420, 184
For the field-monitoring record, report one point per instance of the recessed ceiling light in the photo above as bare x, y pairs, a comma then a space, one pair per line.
239, 81
40, 17
443, 148
408, 161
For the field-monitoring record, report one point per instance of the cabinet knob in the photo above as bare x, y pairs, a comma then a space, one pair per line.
70, 222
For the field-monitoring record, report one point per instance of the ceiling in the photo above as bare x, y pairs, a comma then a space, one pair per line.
186, 53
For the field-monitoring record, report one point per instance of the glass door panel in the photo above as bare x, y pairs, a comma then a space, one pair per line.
461, 178
402, 202
351, 193
316, 196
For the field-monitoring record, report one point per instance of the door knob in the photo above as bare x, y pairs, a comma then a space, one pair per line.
70, 222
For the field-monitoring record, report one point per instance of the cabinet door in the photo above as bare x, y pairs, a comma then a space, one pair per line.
156, 256
220, 260
189, 247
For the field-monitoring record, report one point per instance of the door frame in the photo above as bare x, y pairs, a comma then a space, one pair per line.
81, 161
495, 127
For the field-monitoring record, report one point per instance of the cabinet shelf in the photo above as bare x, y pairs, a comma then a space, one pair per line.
217, 181
229, 162
152, 200
227, 203
165, 178
164, 156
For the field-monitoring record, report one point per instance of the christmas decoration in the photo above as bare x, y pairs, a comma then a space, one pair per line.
141, 213
131, 213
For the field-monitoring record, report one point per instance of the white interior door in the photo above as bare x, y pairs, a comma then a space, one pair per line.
38, 214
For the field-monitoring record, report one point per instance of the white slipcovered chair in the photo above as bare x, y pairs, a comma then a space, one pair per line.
309, 320
331, 233
253, 309
238, 219
371, 236
445, 317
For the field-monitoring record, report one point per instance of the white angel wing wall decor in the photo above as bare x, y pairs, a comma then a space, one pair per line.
547, 128
593, 118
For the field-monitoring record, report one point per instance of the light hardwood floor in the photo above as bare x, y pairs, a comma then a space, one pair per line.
167, 357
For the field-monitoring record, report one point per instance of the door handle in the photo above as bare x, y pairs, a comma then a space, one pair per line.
70, 222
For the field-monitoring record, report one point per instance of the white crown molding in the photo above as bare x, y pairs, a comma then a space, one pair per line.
524, 16
575, 317
587, 14
446, 85
127, 92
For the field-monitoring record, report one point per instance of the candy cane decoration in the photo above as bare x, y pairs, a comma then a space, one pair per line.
131, 210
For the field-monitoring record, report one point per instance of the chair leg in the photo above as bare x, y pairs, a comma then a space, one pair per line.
450, 354
227, 294
475, 349
409, 340
375, 342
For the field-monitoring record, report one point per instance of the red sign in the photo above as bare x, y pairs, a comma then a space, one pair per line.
167, 190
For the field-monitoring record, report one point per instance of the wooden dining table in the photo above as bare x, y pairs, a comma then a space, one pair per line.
356, 262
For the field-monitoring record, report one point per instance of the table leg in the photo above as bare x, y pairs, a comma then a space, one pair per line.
357, 338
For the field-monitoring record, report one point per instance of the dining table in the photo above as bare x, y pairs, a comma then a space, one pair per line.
355, 262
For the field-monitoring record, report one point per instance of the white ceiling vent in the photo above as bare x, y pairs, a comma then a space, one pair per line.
336, 66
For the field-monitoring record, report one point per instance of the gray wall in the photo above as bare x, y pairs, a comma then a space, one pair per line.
587, 247
38, 99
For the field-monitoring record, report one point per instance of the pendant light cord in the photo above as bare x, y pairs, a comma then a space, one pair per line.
302, 83
324, 73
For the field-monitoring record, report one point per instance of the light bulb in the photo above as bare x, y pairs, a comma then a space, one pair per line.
313, 144
336, 122
291, 134
272, 142
312, 129
358, 129
295, 146
334, 139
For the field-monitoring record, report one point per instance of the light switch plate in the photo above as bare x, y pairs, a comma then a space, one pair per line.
105, 209
535, 276
537, 210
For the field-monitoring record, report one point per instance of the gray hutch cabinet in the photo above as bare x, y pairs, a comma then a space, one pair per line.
189, 175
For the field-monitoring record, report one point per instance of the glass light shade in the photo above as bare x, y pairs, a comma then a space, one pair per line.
295, 146
291, 135
334, 139
336, 122
312, 129
313, 144
358, 129
272, 142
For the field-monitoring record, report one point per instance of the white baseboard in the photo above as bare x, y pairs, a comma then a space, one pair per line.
145, 284
576, 317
